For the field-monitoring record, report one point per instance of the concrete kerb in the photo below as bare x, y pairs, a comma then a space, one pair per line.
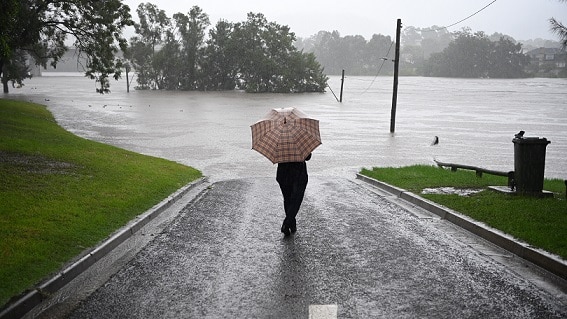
20, 307
538, 257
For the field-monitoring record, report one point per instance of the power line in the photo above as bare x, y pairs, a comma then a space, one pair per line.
380, 69
465, 19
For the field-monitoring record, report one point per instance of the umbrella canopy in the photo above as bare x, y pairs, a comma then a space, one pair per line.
285, 135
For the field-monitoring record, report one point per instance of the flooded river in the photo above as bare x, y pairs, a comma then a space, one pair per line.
475, 120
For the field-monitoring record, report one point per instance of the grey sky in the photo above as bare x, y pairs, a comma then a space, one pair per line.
521, 19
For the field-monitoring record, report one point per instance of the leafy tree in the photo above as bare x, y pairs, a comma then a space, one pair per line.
412, 60
220, 56
140, 55
326, 48
560, 29
269, 62
253, 65
411, 36
152, 30
191, 29
309, 75
435, 39
280, 58
431, 40
377, 48
436, 65
40, 28
506, 60
496, 36
166, 64
351, 53
467, 56
474, 56
16, 70
353, 48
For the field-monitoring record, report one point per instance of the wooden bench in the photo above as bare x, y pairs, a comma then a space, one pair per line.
479, 171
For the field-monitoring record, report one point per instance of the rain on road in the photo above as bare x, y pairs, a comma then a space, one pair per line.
356, 251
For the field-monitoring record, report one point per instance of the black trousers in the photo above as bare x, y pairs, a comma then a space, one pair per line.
292, 178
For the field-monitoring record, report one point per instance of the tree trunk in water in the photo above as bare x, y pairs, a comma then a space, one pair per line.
4, 77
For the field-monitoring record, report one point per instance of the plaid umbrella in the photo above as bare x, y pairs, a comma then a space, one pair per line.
285, 135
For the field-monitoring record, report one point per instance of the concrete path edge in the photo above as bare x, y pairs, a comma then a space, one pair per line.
541, 258
21, 306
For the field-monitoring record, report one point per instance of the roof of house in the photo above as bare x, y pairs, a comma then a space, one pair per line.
546, 51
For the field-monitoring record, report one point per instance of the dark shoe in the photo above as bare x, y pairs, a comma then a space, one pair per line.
293, 227
285, 229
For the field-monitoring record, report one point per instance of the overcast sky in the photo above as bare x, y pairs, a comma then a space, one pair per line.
521, 19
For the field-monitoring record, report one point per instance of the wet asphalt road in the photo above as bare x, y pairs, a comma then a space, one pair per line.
223, 256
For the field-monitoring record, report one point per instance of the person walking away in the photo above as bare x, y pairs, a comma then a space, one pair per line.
292, 178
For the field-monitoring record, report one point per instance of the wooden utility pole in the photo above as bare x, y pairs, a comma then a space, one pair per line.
396, 67
127, 78
342, 84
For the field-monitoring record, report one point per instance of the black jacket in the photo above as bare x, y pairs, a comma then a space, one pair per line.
292, 172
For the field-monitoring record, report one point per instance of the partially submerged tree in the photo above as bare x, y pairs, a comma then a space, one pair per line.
191, 30
16, 70
40, 29
220, 58
152, 33
254, 55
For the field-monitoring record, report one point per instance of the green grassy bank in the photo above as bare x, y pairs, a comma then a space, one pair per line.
60, 194
541, 222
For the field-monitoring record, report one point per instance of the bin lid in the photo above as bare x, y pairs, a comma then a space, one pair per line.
531, 140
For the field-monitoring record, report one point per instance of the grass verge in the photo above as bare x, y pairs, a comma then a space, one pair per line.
540, 222
60, 194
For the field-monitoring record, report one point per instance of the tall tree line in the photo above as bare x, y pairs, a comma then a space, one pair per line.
354, 54
255, 55
474, 55
424, 52
358, 56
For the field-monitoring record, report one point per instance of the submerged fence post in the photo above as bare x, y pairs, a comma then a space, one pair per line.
396, 67
127, 79
342, 84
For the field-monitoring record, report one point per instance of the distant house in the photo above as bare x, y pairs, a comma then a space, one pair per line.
548, 62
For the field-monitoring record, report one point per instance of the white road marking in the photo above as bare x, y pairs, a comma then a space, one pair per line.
323, 311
